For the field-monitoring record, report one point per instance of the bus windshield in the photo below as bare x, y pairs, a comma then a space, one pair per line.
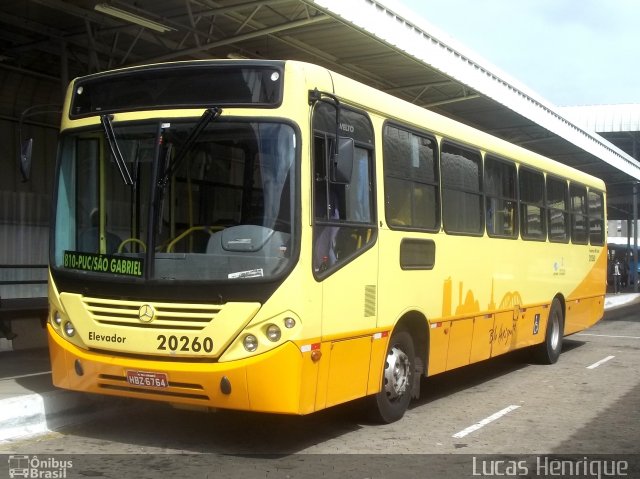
224, 211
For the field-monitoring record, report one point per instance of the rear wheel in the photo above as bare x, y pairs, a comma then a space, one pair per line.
392, 401
549, 351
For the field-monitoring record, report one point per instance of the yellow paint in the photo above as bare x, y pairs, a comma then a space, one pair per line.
446, 298
502, 336
480, 346
470, 304
348, 370
376, 365
460, 336
527, 333
438, 347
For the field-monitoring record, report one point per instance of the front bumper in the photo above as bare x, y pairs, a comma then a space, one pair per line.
282, 380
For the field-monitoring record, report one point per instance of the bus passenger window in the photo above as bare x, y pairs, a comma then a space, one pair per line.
579, 222
500, 188
462, 208
411, 193
596, 215
533, 225
557, 199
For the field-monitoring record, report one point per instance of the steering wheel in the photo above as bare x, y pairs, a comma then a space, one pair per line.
132, 240
184, 234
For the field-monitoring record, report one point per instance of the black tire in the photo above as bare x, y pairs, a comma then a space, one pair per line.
549, 351
392, 401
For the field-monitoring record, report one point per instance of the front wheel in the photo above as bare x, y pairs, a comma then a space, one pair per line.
392, 401
549, 351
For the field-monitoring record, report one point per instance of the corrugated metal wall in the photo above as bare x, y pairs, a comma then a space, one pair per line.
25, 206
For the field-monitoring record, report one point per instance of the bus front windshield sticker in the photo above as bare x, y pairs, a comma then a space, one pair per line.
104, 263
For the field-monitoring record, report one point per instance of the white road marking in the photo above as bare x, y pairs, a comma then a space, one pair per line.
602, 361
485, 421
607, 336
25, 376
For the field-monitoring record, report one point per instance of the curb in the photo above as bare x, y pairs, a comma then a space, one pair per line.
620, 310
22, 416
29, 415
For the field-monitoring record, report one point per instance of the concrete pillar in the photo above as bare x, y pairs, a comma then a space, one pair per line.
635, 236
627, 253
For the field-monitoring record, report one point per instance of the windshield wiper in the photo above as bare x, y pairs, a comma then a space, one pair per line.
208, 115
107, 126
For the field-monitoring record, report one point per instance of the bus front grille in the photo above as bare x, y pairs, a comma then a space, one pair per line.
136, 314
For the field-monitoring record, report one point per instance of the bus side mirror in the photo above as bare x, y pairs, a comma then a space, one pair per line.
26, 148
342, 164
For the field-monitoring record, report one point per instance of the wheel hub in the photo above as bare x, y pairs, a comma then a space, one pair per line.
397, 373
555, 332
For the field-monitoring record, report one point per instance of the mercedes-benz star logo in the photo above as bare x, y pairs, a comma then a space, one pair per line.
146, 313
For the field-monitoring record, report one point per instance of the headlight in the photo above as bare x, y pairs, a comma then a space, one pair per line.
289, 323
69, 329
273, 333
57, 318
250, 343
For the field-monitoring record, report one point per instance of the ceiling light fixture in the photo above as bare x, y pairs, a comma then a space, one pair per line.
132, 18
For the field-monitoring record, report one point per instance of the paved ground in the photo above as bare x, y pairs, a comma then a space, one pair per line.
587, 404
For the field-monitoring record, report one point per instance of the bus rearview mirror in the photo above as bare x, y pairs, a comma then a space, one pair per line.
342, 164
26, 149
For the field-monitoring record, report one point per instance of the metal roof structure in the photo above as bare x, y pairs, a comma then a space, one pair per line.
618, 124
606, 118
47, 42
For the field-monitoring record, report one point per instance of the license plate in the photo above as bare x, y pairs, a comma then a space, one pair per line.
147, 379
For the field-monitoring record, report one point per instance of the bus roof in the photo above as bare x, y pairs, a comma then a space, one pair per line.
386, 106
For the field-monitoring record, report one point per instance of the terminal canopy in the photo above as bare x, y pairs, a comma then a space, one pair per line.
47, 42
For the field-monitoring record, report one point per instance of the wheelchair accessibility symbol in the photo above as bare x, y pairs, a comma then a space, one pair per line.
536, 324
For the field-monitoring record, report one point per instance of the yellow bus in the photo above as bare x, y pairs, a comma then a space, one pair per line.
272, 236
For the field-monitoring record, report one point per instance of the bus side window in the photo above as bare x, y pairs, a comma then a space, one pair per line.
500, 189
559, 225
324, 235
462, 195
336, 204
533, 225
579, 219
596, 218
412, 200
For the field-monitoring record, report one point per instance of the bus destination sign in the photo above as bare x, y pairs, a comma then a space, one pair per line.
104, 263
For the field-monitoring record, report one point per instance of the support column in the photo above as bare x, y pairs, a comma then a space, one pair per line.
64, 67
628, 255
635, 237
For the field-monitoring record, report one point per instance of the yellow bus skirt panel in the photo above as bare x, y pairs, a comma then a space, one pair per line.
351, 368
438, 346
585, 305
282, 380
